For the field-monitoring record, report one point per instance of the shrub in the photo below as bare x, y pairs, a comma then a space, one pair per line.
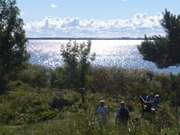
35, 76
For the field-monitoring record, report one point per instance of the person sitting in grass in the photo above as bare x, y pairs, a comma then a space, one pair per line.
151, 103
147, 105
102, 112
150, 98
122, 115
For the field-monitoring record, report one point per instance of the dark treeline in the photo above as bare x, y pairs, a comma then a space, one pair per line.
98, 79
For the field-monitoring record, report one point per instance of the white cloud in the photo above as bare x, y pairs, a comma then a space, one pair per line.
137, 26
53, 6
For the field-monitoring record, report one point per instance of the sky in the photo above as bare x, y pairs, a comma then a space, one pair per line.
94, 18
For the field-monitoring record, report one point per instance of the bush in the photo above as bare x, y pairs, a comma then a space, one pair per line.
35, 76
25, 105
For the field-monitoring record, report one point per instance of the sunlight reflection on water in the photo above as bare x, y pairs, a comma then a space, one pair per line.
110, 53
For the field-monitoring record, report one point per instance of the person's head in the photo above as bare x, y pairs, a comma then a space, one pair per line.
156, 96
102, 102
122, 104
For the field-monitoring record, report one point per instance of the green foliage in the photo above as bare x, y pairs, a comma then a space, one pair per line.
12, 39
84, 121
24, 105
58, 78
77, 58
155, 49
26, 108
164, 51
130, 83
35, 76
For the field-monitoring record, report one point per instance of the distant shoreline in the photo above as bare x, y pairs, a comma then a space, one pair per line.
83, 38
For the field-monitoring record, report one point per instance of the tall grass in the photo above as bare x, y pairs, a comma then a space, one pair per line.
26, 107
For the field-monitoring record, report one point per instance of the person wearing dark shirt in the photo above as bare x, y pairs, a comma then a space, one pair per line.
150, 98
156, 103
122, 115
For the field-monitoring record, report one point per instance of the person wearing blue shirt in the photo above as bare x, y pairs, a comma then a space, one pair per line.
102, 112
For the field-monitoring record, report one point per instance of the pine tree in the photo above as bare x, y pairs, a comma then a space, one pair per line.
164, 51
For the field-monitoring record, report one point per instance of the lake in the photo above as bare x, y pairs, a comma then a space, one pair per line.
109, 53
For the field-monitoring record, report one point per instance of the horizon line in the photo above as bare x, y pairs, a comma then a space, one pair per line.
85, 38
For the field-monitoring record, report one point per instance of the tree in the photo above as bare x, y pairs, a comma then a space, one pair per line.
77, 60
164, 51
13, 52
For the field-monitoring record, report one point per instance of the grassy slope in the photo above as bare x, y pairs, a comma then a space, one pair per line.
24, 102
